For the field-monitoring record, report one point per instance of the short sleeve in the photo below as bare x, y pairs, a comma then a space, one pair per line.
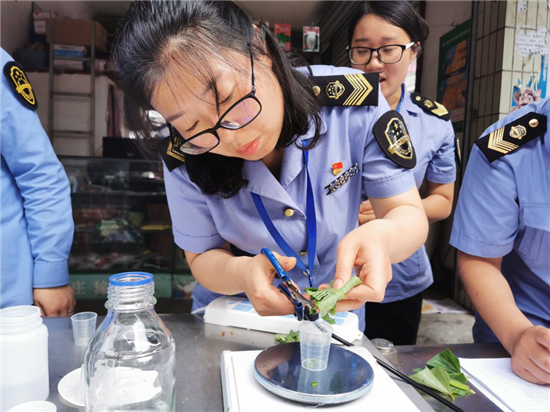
192, 223
381, 177
487, 215
442, 167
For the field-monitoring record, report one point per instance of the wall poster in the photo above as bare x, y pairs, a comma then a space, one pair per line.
452, 77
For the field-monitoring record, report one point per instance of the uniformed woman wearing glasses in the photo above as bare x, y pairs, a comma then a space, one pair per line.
386, 37
253, 161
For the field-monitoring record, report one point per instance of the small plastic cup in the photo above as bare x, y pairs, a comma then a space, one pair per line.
35, 406
315, 340
84, 325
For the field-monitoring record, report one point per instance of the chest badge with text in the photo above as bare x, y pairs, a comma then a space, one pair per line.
342, 179
393, 137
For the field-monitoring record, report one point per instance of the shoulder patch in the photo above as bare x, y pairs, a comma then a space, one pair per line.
512, 136
431, 106
394, 139
358, 89
18, 81
173, 157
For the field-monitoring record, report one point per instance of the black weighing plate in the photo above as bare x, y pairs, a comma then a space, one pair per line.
347, 377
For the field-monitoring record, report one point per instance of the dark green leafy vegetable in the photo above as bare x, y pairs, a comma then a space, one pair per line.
442, 373
325, 299
290, 337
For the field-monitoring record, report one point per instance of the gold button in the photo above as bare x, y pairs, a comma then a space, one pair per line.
533, 122
418, 98
316, 90
289, 212
303, 253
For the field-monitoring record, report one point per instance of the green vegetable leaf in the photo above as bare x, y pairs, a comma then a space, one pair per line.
447, 360
442, 373
434, 379
313, 383
325, 299
290, 337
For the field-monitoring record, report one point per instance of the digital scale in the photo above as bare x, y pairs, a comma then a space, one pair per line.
273, 380
239, 312
347, 377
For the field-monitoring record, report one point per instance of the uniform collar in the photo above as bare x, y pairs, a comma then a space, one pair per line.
408, 104
263, 183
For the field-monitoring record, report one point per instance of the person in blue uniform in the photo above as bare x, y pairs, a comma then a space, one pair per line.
36, 226
250, 151
502, 232
385, 37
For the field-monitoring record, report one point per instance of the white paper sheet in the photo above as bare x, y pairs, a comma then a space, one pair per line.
242, 393
532, 43
497, 376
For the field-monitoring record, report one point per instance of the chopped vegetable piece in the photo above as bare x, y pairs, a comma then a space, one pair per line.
325, 299
313, 383
291, 337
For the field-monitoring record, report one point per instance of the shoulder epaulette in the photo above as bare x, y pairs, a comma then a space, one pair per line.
357, 89
19, 83
431, 106
173, 157
512, 136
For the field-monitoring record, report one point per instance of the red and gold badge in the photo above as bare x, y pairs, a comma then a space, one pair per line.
337, 168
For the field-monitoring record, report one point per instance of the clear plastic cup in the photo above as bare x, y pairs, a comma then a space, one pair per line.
84, 325
315, 340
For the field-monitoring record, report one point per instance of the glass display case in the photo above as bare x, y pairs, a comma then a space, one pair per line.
122, 223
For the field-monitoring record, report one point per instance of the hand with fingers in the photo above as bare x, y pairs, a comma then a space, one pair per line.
373, 266
54, 302
531, 355
257, 284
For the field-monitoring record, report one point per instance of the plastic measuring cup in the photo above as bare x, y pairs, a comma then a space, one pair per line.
315, 340
84, 325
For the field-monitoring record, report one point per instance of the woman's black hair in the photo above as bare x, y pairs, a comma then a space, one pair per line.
399, 13
157, 36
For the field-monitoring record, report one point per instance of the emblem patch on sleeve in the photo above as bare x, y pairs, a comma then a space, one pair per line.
18, 81
360, 89
431, 106
394, 139
512, 136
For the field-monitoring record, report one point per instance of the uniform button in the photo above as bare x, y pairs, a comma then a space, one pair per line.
289, 212
316, 90
533, 122
303, 253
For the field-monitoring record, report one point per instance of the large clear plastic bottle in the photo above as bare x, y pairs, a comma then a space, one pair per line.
130, 361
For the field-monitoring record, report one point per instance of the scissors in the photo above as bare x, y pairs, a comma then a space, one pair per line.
292, 293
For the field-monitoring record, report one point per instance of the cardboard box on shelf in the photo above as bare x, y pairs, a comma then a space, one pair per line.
40, 26
76, 32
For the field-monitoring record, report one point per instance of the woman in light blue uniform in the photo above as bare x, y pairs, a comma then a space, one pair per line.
248, 139
502, 231
385, 37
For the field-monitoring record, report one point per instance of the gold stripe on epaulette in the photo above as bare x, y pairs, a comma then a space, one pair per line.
174, 153
441, 110
361, 89
497, 143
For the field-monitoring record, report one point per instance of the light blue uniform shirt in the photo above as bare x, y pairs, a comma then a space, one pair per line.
434, 143
504, 211
36, 225
201, 223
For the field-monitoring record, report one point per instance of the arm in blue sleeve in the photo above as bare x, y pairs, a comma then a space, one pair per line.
44, 187
442, 167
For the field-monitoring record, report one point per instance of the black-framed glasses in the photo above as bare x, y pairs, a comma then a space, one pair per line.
239, 115
390, 54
